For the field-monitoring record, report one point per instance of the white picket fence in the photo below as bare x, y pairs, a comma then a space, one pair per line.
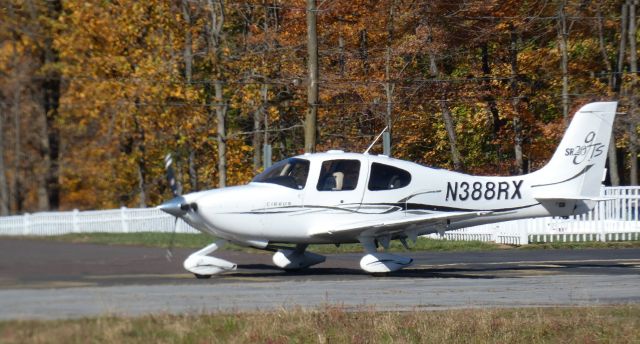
615, 219
123, 220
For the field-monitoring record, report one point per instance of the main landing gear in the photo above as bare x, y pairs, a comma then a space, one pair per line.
204, 266
296, 259
374, 262
378, 262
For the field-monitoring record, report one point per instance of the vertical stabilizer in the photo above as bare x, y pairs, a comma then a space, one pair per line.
576, 169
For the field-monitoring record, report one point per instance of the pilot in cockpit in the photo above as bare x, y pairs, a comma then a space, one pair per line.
339, 175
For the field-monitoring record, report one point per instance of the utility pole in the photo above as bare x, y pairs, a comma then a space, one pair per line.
312, 91
389, 87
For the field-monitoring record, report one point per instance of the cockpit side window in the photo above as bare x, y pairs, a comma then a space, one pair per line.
385, 177
291, 173
339, 175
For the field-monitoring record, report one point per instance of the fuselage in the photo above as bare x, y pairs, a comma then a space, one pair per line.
303, 194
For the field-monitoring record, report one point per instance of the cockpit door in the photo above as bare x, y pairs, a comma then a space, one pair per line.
336, 182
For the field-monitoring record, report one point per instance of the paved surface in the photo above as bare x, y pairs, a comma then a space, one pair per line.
48, 280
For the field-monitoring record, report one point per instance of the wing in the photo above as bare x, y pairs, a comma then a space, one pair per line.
393, 226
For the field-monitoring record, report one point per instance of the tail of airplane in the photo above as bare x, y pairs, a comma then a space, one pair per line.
575, 172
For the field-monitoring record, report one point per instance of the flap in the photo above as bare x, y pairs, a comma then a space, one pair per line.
396, 225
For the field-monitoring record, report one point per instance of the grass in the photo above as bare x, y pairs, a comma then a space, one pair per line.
603, 324
181, 240
582, 245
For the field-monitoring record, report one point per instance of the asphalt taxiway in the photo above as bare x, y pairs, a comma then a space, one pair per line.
48, 280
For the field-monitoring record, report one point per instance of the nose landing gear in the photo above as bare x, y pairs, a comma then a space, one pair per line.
204, 266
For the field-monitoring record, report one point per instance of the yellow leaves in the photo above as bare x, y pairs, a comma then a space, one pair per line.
125, 95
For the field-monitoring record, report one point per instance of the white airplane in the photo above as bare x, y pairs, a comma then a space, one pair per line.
337, 197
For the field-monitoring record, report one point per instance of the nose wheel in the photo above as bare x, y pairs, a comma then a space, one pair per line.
204, 266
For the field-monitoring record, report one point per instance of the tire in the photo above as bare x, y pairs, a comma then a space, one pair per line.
198, 276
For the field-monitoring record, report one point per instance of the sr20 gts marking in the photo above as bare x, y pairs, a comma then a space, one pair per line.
587, 151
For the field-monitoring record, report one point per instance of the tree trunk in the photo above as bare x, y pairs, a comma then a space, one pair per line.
562, 40
451, 133
517, 126
214, 43
142, 194
614, 176
221, 111
4, 188
624, 16
260, 136
139, 139
51, 102
449, 123
602, 45
18, 197
312, 91
633, 99
364, 52
187, 53
341, 59
42, 173
257, 140
491, 102
193, 171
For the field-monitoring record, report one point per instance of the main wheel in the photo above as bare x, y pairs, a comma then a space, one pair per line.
198, 276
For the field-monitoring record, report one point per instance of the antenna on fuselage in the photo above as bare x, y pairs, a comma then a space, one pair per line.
376, 139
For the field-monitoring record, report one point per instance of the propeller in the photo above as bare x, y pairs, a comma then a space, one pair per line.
176, 190
169, 254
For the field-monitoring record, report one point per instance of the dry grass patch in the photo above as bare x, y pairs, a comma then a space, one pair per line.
609, 324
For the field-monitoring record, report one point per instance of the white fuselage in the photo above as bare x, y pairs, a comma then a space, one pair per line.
260, 212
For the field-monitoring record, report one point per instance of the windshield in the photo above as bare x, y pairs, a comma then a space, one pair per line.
291, 173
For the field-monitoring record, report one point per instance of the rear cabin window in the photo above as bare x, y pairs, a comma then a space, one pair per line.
339, 175
385, 177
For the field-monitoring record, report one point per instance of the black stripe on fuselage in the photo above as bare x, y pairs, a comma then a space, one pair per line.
393, 207
438, 208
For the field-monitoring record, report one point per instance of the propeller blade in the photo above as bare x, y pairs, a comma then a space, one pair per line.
176, 188
169, 254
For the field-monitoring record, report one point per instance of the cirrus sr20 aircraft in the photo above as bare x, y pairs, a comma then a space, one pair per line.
337, 197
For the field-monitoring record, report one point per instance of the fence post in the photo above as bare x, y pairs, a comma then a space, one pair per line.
76, 228
524, 235
25, 224
601, 233
123, 220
